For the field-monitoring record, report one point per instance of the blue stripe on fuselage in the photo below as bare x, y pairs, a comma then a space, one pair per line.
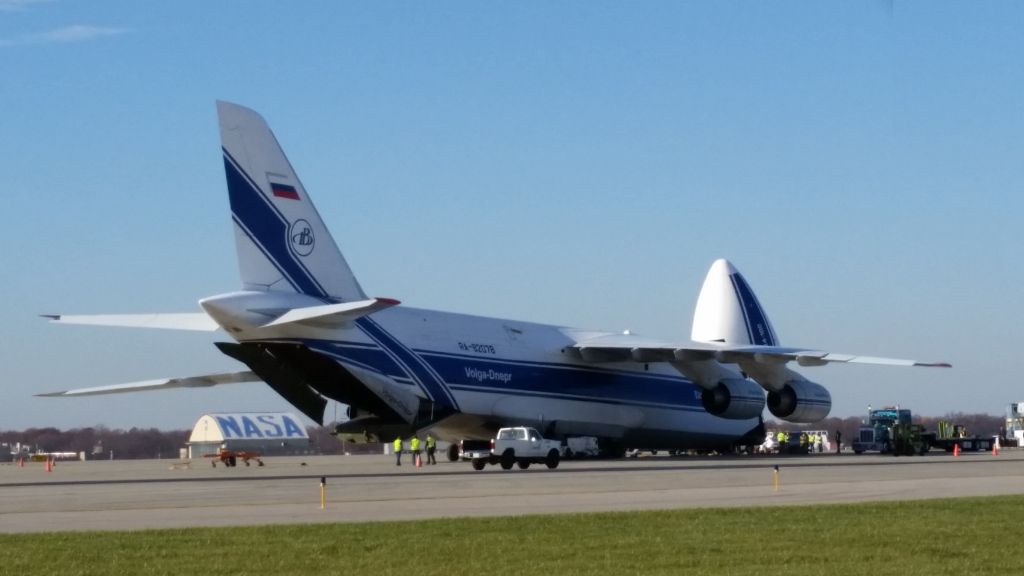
375, 358
557, 396
533, 379
565, 380
432, 385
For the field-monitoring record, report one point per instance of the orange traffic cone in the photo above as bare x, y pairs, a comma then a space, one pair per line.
956, 449
21, 462
49, 465
995, 447
419, 461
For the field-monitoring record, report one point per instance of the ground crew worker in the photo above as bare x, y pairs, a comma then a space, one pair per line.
839, 437
803, 442
398, 451
431, 448
414, 447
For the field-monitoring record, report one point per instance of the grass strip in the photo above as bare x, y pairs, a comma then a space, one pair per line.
928, 537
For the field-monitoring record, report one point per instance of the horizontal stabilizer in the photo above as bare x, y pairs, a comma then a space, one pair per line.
184, 321
333, 314
162, 384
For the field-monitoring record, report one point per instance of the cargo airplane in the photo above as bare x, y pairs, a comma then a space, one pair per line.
303, 325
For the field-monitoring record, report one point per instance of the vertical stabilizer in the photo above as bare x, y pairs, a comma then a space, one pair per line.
728, 311
282, 243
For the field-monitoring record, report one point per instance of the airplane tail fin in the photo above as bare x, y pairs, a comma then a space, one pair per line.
728, 311
282, 243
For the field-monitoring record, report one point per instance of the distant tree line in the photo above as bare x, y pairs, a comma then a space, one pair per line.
98, 442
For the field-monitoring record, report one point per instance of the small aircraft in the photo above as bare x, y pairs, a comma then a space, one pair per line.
303, 325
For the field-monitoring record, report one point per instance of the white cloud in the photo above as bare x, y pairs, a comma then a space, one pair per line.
18, 5
65, 35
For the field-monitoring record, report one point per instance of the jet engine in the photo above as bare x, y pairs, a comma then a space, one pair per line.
735, 399
800, 401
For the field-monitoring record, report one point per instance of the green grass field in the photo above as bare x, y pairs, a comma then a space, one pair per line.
966, 536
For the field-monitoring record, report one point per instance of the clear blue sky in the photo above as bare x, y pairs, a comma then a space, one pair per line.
579, 163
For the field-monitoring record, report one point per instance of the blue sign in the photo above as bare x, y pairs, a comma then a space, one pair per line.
252, 426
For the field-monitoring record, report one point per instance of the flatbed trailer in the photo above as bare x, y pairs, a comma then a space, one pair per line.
967, 443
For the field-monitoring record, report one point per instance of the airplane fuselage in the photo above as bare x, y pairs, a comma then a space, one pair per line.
473, 374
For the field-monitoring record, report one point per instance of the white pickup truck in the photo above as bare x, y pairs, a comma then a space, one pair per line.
518, 446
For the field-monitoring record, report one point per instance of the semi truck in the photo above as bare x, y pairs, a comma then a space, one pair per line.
891, 430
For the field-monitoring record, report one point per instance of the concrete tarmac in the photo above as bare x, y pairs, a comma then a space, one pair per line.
144, 494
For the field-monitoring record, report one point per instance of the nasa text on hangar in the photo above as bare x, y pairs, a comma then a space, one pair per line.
271, 433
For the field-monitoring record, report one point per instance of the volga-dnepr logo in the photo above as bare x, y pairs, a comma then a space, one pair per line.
300, 238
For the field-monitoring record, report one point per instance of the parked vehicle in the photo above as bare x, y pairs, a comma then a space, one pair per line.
516, 446
890, 431
581, 447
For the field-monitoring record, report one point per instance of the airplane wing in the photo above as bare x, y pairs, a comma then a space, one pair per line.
161, 384
198, 321
626, 347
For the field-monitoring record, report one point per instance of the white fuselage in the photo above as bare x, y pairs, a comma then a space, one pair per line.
501, 372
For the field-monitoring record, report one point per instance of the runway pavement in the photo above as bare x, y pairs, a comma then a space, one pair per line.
132, 495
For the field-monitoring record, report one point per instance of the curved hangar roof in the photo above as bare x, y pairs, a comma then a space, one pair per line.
250, 426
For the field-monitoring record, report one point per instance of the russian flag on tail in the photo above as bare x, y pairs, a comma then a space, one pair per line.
284, 191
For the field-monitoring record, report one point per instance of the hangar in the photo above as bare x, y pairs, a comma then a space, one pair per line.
273, 433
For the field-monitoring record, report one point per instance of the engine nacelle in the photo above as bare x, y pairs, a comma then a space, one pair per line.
800, 401
734, 399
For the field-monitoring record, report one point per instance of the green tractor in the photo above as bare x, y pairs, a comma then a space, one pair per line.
909, 439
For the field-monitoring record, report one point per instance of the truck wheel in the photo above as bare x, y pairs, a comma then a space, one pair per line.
479, 464
858, 451
523, 464
552, 460
453, 453
508, 459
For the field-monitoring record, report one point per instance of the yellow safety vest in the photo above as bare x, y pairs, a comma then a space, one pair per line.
398, 444
414, 444
431, 442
